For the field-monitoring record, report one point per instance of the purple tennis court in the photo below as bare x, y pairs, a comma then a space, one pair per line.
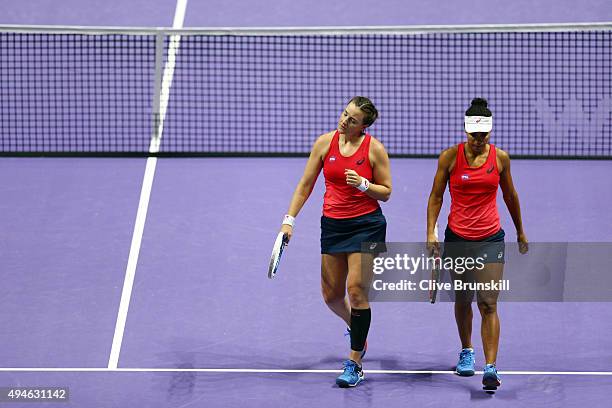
141, 280
200, 299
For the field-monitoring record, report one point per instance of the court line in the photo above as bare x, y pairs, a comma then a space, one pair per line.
279, 371
147, 184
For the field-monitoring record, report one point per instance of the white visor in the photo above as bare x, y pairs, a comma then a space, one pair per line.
478, 124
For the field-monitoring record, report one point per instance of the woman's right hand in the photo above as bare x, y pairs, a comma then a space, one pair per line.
287, 229
433, 245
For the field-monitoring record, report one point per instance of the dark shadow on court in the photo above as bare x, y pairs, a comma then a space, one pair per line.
181, 384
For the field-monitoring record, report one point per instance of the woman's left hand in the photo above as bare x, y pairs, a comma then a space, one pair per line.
522, 242
352, 178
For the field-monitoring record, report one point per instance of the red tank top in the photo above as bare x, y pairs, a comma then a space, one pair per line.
473, 191
342, 200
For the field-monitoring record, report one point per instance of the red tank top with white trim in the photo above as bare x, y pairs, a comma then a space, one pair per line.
342, 200
473, 191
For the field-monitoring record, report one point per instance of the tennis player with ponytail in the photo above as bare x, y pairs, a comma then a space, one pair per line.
357, 175
474, 170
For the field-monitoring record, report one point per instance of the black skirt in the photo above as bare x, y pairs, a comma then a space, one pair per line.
491, 249
348, 234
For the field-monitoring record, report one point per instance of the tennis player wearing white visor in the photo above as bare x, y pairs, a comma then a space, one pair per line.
474, 170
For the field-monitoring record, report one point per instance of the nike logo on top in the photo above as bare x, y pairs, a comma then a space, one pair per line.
490, 170
360, 161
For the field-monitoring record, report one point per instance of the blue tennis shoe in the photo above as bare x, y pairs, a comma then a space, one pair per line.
490, 378
465, 366
352, 375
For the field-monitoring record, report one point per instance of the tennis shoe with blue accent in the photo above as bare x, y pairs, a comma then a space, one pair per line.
465, 366
352, 375
365, 346
490, 378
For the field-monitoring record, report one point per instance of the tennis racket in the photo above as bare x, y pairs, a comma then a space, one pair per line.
435, 276
279, 246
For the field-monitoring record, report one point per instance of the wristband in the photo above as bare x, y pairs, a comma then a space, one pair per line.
288, 220
365, 184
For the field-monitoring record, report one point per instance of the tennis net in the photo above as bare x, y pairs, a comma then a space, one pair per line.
250, 92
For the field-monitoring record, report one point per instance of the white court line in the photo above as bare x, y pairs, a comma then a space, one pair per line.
145, 192
280, 371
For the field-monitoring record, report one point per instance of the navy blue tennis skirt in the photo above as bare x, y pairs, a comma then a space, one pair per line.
348, 234
491, 249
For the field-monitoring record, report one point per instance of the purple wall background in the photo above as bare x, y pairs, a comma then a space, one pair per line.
288, 13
